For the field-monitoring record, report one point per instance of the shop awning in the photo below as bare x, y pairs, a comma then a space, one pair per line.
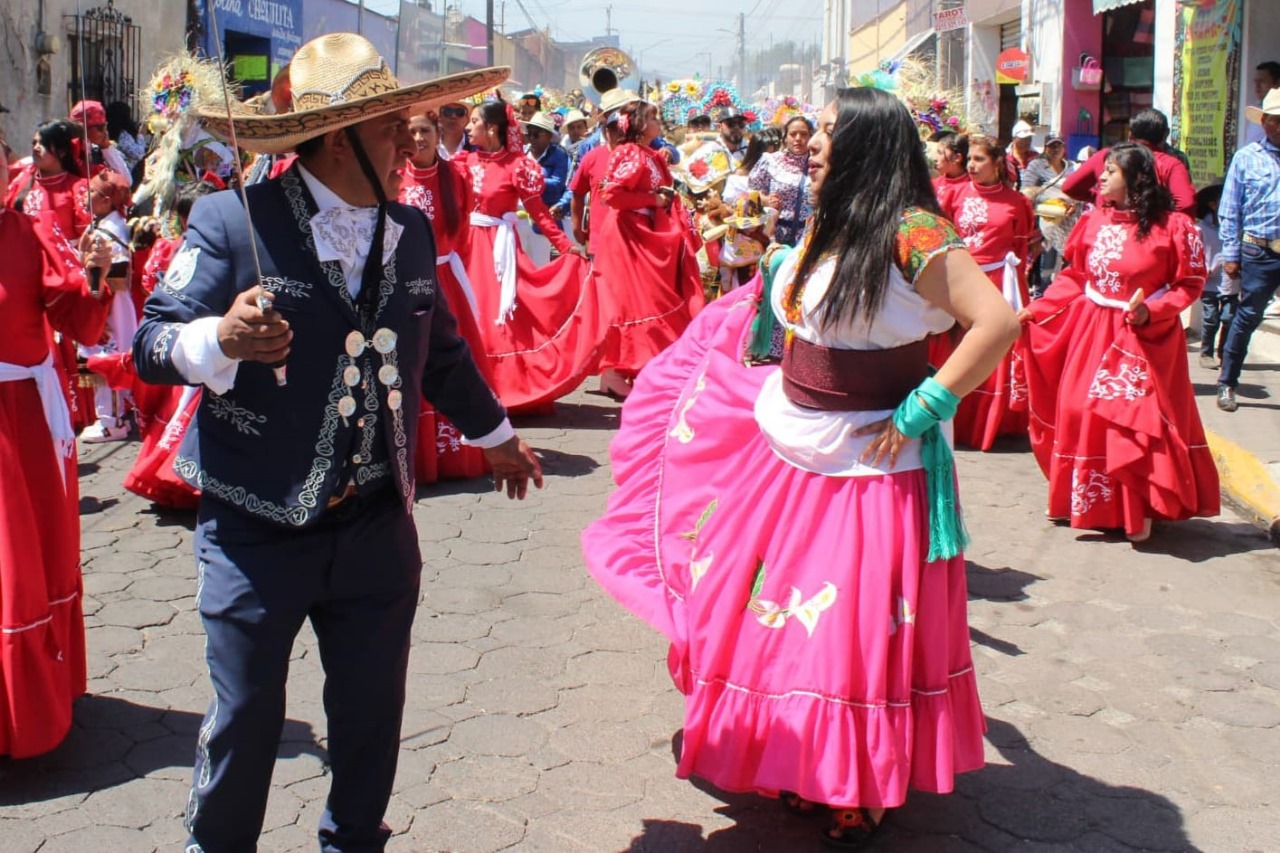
1100, 6
912, 45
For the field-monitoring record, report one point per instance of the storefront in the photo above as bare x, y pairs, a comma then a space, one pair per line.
995, 26
258, 37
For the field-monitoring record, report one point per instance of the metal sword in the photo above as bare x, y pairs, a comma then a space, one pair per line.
95, 273
264, 302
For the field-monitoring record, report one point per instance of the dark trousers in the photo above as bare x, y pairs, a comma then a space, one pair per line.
355, 575
1217, 312
1259, 279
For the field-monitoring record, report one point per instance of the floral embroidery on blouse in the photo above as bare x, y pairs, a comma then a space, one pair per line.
1108, 246
785, 175
974, 214
528, 178
921, 237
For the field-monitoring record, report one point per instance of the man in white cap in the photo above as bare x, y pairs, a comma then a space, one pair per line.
1020, 152
307, 485
540, 144
1249, 226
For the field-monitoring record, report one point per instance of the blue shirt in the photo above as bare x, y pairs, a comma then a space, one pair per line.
555, 167
673, 153
1250, 198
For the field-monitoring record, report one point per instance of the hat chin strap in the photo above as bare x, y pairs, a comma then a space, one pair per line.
366, 165
373, 266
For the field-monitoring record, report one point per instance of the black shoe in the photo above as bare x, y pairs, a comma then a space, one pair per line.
1227, 398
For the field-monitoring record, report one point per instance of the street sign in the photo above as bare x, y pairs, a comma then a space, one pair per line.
945, 20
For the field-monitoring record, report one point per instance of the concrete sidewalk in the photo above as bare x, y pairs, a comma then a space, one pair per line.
1246, 443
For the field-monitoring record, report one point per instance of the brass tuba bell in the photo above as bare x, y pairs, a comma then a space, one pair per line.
605, 68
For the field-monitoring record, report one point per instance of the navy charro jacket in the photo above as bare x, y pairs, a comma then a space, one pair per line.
280, 453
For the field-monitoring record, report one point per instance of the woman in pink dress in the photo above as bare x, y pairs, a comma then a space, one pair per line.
439, 189
1114, 423
540, 325
794, 530
999, 227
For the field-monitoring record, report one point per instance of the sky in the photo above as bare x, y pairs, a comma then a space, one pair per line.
666, 38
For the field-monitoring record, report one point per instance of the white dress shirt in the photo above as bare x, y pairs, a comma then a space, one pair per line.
342, 233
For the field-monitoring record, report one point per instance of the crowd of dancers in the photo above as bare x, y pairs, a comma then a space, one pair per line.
802, 320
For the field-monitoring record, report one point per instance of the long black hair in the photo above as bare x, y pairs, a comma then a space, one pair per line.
58, 138
120, 120
757, 146
876, 170
1150, 201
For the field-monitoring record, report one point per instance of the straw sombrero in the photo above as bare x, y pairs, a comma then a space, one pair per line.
339, 80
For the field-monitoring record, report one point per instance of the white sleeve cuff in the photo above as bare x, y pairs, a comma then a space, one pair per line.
199, 358
505, 432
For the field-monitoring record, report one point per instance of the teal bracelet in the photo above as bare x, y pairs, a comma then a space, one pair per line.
926, 406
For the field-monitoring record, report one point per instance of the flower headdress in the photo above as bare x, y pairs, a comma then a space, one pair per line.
915, 84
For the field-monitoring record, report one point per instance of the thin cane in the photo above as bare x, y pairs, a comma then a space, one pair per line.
95, 273
264, 303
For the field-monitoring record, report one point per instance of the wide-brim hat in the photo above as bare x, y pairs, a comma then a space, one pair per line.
706, 167
339, 80
616, 99
1270, 107
572, 116
541, 121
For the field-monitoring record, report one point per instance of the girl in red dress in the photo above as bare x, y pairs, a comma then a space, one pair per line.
951, 159
646, 267
538, 324
439, 189
54, 192
42, 650
999, 228
1114, 424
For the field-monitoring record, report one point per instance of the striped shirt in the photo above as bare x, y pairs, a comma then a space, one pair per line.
1250, 198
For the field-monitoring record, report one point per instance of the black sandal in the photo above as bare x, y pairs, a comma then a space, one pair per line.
850, 829
797, 804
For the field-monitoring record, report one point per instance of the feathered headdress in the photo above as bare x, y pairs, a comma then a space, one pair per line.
179, 86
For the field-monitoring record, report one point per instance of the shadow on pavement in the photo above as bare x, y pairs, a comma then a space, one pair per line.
1194, 540
1026, 802
575, 416
169, 517
1001, 584
114, 741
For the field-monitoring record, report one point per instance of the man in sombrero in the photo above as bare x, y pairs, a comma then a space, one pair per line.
307, 476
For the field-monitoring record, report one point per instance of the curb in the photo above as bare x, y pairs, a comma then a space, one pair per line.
1247, 484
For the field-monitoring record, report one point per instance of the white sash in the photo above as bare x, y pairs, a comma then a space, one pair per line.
504, 259
56, 413
1009, 284
1119, 304
460, 273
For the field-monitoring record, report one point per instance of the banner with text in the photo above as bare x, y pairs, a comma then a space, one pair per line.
1207, 63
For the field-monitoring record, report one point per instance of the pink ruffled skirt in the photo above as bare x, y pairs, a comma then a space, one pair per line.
817, 650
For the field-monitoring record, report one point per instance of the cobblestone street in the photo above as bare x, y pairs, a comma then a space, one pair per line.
1133, 695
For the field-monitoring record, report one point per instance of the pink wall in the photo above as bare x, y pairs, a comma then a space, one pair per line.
1082, 33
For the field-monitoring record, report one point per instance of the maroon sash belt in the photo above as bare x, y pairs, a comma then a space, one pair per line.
851, 380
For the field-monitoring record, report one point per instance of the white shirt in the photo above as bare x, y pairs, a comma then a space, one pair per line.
114, 160
823, 442
198, 356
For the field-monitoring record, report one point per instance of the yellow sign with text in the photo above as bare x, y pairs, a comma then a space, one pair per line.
1211, 32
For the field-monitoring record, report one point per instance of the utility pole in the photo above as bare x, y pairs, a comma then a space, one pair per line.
488, 22
742, 55
608, 20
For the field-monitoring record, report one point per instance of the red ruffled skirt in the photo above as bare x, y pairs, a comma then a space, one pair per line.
817, 650
441, 455
1114, 424
164, 412
42, 642
553, 339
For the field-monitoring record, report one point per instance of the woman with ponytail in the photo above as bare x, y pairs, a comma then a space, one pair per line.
795, 530
1114, 423
539, 325
439, 188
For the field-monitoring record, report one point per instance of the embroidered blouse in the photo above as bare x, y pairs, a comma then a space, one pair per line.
785, 175
502, 180
823, 442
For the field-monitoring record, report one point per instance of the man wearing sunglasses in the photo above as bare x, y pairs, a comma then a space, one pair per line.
453, 130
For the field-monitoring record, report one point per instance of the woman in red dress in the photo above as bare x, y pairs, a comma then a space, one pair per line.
538, 324
439, 189
54, 192
1114, 424
999, 228
647, 277
42, 650
951, 159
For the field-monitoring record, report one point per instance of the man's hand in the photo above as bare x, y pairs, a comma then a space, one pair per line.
1231, 268
249, 334
514, 465
95, 251
773, 200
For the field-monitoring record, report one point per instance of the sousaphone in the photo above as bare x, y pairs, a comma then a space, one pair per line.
605, 68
